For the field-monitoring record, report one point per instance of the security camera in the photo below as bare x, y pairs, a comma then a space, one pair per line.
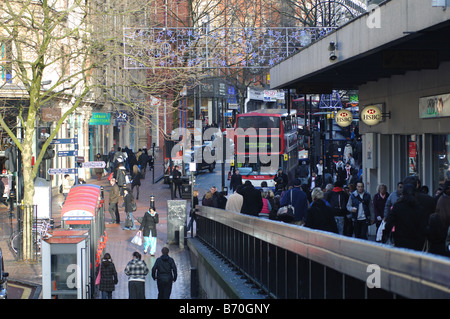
332, 46
333, 56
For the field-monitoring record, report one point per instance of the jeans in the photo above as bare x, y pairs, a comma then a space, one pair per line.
130, 216
106, 294
340, 224
361, 229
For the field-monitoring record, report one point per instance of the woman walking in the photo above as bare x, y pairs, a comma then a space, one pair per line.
151, 218
108, 277
136, 180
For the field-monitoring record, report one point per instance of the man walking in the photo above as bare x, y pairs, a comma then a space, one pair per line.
164, 271
176, 182
113, 207
360, 207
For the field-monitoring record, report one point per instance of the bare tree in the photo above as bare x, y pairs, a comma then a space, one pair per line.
69, 54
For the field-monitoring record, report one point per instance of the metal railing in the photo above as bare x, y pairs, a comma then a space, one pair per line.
27, 215
288, 261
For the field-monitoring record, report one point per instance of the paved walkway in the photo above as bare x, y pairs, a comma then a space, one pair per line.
118, 245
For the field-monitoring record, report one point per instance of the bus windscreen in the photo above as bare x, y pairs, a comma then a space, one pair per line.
258, 122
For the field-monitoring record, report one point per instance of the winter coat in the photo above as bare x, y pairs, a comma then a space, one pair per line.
121, 173
235, 181
98, 170
149, 224
299, 201
114, 194
136, 270
108, 276
164, 269
136, 179
234, 202
127, 202
410, 221
379, 203
252, 203
208, 200
320, 216
266, 207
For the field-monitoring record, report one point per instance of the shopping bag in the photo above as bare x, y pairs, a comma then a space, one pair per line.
137, 239
97, 280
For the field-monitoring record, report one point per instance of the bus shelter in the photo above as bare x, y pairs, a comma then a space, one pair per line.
83, 210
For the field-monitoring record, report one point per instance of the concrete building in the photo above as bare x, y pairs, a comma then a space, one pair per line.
398, 57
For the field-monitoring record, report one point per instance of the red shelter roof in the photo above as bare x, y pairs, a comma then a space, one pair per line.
81, 203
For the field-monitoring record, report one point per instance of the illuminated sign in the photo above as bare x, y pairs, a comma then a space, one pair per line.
344, 118
371, 115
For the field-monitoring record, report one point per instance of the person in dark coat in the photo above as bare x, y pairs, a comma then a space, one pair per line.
319, 215
148, 225
236, 180
439, 223
252, 203
99, 170
299, 201
176, 182
108, 277
164, 271
128, 201
410, 221
281, 180
136, 176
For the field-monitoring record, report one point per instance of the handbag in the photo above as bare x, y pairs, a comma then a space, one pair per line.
286, 213
97, 280
137, 239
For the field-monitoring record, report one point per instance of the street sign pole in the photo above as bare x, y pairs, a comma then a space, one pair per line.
76, 151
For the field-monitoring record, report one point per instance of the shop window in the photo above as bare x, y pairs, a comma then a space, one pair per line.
441, 159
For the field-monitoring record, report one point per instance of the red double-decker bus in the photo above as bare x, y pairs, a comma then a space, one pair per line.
266, 140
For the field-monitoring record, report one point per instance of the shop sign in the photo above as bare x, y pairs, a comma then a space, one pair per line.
434, 106
100, 119
371, 115
344, 118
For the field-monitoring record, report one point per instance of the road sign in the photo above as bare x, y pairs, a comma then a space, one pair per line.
64, 141
79, 159
95, 164
57, 171
67, 153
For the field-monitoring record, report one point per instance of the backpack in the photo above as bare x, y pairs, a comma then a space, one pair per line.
60, 189
338, 203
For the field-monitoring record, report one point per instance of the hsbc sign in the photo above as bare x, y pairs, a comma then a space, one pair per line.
371, 115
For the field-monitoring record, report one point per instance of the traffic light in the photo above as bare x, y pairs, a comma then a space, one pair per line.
49, 152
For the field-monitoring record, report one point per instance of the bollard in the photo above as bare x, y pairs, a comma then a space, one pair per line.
181, 237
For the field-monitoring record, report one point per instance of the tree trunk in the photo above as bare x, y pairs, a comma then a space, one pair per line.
28, 182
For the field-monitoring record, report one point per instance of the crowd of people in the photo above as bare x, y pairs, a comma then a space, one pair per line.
407, 217
164, 271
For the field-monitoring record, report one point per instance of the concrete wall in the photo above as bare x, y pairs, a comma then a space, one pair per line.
401, 94
392, 22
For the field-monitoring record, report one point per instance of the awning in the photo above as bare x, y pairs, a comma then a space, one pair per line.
81, 203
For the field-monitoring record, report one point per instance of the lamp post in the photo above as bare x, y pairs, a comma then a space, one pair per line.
152, 201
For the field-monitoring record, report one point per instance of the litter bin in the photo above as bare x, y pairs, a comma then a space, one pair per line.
185, 188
